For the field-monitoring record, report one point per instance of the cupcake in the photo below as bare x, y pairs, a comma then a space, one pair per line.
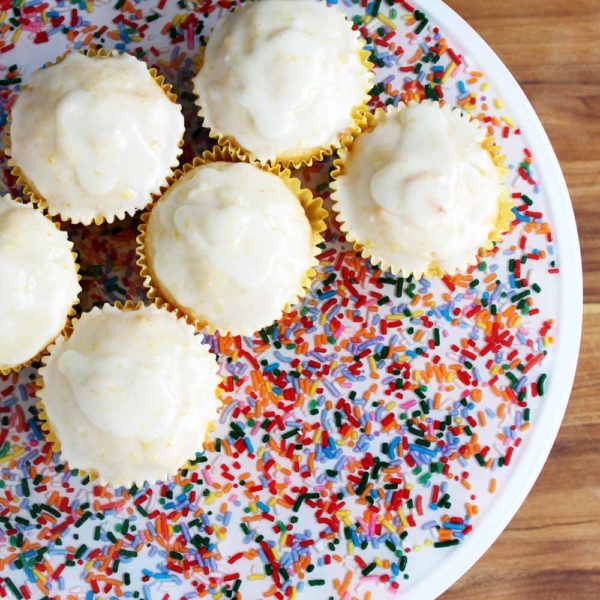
129, 412
93, 137
419, 193
231, 245
284, 81
39, 283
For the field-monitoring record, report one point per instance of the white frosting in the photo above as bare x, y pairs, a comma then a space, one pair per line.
95, 136
38, 282
282, 78
420, 189
230, 244
133, 411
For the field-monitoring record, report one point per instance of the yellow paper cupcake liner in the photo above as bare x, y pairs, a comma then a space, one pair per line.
70, 315
307, 158
502, 224
313, 208
29, 188
46, 424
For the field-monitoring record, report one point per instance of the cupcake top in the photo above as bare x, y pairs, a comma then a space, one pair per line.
95, 136
39, 282
230, 245
420, 191
130, 412
282, 78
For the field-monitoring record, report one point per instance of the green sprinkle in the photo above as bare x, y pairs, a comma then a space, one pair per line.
368, 569
83, 519
362, 486
445, 544
13, 588
541, 384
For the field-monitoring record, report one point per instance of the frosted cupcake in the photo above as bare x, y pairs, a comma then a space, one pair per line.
38, 281
283, 80
93, 137
419, 193
230, 245
129, 412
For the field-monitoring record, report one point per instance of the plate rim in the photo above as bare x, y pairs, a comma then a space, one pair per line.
541, 438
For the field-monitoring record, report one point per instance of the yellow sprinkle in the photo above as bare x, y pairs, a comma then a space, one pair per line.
387, 21
313, 387
485, 86
373, 366
417, 548
256, 577
508, 121
428, 543
350, 547
388, 526
498, 103
39, 575
403, 518
18, 451
451, 68
2, 16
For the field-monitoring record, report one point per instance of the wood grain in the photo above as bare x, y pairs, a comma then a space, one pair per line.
550, 550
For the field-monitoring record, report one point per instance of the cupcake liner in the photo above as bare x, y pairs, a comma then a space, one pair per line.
29, 188
313, 208
317, 154
46, 424
501, 226
70, 315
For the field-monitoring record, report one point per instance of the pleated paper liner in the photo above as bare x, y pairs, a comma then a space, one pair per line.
309, 156
6, 370
502, 224
313, 208
53, 438
29, 188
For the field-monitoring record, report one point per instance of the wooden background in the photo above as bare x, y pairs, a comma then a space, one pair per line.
551, 549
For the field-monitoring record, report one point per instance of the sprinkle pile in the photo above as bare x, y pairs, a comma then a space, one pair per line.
361, 434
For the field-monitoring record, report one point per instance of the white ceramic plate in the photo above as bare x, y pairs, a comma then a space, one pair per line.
110, 275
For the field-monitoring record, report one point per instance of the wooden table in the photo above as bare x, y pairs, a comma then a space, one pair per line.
551, 549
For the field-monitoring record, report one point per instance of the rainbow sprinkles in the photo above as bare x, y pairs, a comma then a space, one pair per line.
362, 435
